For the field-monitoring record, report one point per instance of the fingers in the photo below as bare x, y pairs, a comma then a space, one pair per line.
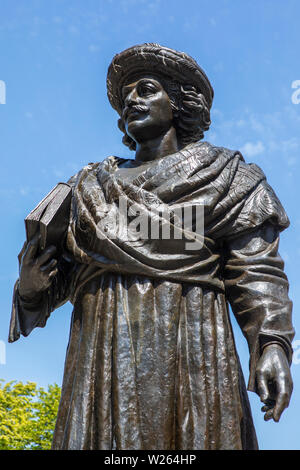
262, 385
269, 415
49, 266
53, 274
283, 399
266, 395
268, 409
274, 408
274, 382
48, 277
269, 406
46, 255
32, 248
48, 270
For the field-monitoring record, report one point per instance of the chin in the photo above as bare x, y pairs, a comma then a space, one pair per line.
138, 130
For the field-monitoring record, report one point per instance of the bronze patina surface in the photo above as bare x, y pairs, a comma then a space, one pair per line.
151, 361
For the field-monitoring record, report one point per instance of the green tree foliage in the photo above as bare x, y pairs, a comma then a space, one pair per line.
27, 415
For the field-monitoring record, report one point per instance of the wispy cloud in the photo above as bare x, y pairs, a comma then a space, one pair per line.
251, 149
94, 48
24, 190
256, 134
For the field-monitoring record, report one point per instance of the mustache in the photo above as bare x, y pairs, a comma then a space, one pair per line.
138, 108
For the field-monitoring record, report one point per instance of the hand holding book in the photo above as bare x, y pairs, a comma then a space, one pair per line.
50, 217
46, 228
36, 272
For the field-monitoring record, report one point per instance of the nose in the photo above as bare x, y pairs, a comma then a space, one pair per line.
131, 98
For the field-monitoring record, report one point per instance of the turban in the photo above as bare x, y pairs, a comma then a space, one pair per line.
157, 60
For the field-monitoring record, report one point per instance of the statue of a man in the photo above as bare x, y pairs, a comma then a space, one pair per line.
151, 361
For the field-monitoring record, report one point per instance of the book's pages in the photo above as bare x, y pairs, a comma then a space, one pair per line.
50, 217
32, 221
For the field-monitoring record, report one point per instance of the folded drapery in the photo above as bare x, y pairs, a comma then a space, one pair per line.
133, 298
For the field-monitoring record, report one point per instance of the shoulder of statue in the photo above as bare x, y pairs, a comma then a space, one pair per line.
91, 171
92, 168
261, 198
243, 169
251, 170
207, 147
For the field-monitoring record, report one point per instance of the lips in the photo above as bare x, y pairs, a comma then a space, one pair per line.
133, 113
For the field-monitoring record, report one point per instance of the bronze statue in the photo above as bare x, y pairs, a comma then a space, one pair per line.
151, 361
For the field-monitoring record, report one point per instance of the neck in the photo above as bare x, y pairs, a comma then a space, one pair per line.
156, 148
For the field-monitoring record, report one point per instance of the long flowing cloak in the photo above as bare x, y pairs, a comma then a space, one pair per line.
151, 361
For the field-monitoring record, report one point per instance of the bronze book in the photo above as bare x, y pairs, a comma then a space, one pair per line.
51, 217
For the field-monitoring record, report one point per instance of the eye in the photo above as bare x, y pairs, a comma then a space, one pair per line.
146, 88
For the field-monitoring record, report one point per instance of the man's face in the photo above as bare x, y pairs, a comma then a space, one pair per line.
147, 112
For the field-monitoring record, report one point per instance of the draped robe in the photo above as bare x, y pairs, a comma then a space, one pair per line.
151, 361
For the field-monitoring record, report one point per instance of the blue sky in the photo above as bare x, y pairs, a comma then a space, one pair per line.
54, 59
